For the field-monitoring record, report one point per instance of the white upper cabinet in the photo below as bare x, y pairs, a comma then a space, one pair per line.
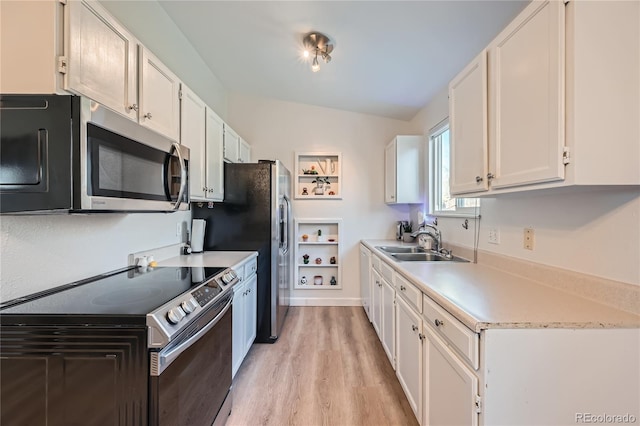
159, 96
101, 58
244, 151
468, 128
231, 144
192, 135
403, 171
215, 164
563, 102
526, 97
202, 132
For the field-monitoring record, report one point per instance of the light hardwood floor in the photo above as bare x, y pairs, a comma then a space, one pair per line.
327, 368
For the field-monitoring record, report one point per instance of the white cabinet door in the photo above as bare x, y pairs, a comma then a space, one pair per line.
451, 388
192, 135
365, 279
409, 354
403, 160
244, 151
215, 164
468, 128
251, 306
101, 56
237, 325
159, 96
231, 143
390, 173
388, 304
526, 97
376, 302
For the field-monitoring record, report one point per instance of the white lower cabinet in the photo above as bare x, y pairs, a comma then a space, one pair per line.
451, 387
244, 312
388, 305
376, 301
409, 337
365, 279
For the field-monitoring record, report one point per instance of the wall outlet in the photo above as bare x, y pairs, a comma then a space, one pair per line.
528, 238
494, 236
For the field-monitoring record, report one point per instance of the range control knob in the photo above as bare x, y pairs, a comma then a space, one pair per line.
188, 306
175, 315
228, 277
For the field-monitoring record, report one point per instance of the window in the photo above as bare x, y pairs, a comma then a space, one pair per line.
441, 202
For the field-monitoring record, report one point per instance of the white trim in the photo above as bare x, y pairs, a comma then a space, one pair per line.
321, 301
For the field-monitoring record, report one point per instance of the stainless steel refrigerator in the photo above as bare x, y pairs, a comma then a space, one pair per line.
256, 215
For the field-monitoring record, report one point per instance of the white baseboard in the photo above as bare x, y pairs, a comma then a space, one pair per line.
323, 301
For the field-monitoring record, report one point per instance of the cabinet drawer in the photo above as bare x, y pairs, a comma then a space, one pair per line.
409, 292
456, 334
386, 271
250, 268
375, 262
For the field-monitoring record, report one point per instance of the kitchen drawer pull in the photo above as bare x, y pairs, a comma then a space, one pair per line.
421, 336
133, 107
414, 327
147, 116
402, 288
438, 322
479, 179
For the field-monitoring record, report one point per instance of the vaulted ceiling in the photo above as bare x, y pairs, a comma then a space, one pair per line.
390, 57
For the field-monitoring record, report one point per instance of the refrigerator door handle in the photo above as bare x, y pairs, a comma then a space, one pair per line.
286, 213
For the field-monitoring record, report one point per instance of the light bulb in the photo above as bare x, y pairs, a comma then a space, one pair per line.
305, 53
315, 66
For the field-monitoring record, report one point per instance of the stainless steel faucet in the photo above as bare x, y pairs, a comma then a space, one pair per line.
433, 232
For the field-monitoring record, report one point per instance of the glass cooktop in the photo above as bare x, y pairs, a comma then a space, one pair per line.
133, 292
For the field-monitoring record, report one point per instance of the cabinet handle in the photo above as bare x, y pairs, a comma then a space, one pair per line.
479, 179
133, 107
147, 116
421, 336
414, 327
438, 323
392, 197
490, 176
402, 288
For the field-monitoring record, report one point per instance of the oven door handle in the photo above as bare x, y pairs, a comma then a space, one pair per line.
166, 358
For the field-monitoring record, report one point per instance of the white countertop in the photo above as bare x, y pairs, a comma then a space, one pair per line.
210, 259
484, 297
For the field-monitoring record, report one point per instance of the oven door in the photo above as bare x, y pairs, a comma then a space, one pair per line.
191, 377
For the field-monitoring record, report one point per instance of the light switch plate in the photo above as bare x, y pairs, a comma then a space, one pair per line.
494, 236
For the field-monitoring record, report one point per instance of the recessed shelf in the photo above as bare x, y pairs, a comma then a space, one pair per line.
325, 250
328, 166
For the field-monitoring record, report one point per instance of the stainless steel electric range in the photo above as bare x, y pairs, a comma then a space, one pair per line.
134, 347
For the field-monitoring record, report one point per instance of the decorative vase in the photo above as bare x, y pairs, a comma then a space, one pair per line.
317, 280
318, 261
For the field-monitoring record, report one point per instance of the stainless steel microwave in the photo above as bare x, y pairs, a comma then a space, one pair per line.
70, 154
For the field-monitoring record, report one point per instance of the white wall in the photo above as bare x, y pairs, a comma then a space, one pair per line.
596, 232
40, 252
276, 129
149, 22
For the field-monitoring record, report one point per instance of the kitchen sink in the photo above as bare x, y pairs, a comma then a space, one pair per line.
426, 257
398, 249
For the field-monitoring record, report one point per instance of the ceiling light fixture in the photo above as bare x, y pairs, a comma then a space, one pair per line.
317, 44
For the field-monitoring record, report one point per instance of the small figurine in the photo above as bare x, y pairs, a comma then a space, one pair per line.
320, 236
305, 258
333, 281
304, 191
303, 280
332, 193
332, 260
317, 280
318, 261
305, 237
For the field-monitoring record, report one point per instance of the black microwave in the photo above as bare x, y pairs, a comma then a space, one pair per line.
69, 154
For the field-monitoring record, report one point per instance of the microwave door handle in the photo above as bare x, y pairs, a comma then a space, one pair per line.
183, 175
